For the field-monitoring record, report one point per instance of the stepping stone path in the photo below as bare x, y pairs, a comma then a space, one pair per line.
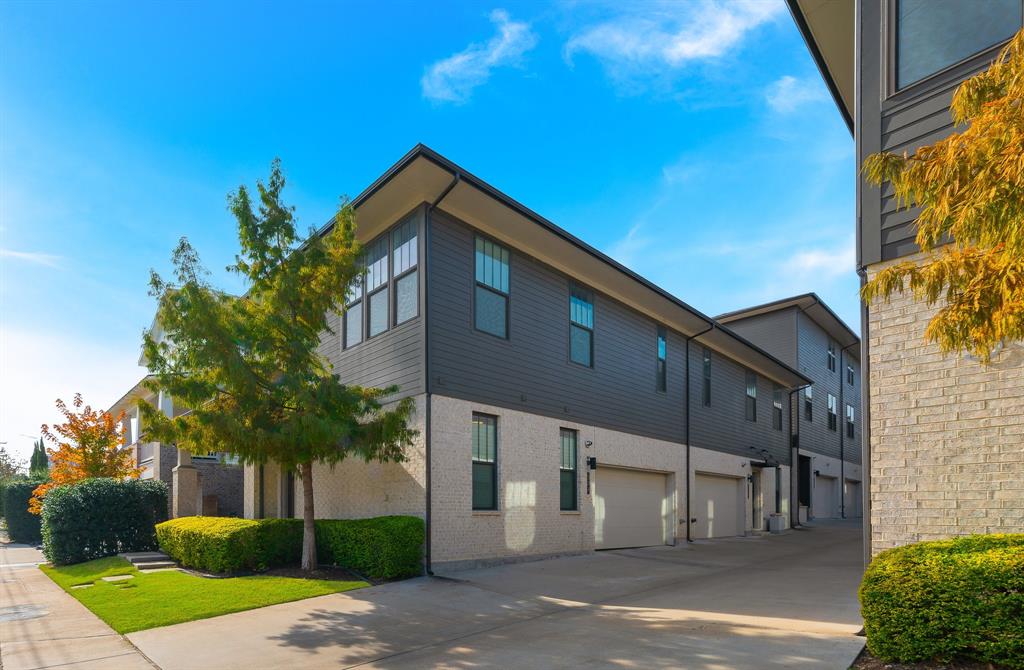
149, 561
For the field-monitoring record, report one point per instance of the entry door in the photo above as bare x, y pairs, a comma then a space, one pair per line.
756, 500
630, 508
717, 506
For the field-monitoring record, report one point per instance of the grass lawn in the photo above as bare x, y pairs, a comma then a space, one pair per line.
164, 598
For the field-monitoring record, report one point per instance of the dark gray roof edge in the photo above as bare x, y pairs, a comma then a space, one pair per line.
819, 60
422, 150
782, 303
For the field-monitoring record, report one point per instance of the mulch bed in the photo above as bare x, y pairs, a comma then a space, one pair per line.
322, 572
868, 662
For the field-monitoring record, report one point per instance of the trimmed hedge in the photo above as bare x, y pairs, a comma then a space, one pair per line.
22, 525
381, 548
938, 601
101, 517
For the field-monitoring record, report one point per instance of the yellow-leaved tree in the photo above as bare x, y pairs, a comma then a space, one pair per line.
970, 190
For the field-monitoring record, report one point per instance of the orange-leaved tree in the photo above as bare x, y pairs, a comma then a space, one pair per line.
88, 445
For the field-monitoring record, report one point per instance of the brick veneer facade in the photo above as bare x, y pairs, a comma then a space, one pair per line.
947, 433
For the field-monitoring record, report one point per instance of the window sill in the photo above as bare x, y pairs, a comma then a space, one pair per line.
486, 512
571, 512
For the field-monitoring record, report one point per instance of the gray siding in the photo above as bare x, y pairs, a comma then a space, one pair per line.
775, 332
394, 357
531, 371
723, 426
903, 121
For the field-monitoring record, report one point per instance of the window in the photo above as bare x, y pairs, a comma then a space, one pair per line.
832, 419
485, 462
751, 396
777, 407
662, 380
492, 285
377, 286
581, 326
830, 358
931, 35
808, 404
849, 421
354, 314
567, 471
849, 375
707, 378
404, 253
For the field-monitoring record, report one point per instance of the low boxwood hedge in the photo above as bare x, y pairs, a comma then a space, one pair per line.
938, 601
22, 525
101, 517
381, 548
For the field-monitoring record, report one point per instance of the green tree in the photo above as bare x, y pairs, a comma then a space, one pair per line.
970, 188
10, 467
39, 463
249, 367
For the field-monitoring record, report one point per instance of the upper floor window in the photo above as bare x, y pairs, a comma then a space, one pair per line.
931, 35
832, 410
830, 357
485, 462
377, 286
662, 380
777, 393
581, 326
706, 390
849, 375
849, 421
354, 313
404, 257
751, 405
808, 403
567, 471
490, 312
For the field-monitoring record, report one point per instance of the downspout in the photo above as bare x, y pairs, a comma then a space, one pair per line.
689, 496
794, 473
428, 544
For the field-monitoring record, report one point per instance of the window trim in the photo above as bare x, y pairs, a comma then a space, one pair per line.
368, 335
495, 481
809, 403
777, 411
850, 376
575, 470
830, 356
851, 418
660, 362
480, 284
591, 329
832, 409
395, 278
750, 408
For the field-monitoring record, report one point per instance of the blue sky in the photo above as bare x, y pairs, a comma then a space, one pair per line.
693, 141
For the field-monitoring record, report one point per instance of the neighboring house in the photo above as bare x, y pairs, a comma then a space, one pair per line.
563, 403
208, 484
806, 334
943, 433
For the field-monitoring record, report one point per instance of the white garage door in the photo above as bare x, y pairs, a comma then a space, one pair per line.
717, 506
629, 508
825, 503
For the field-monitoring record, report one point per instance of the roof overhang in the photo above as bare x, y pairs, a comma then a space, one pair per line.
127, 401
424, 176
811, 305
828, 28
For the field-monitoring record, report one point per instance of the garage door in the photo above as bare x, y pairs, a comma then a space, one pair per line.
629, 508
717, 506
825, 502
853, 499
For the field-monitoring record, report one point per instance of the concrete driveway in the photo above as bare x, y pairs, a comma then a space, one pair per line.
785, 601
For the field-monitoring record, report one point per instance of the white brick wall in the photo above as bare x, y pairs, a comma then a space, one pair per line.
947, 456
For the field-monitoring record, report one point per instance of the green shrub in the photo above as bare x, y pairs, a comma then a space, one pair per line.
385, 547
101, 517
937, 601
22, 526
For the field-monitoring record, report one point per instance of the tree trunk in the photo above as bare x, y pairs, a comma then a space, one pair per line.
308, 527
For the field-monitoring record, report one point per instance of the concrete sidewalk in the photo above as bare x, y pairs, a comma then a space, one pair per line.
41, 626
763, 602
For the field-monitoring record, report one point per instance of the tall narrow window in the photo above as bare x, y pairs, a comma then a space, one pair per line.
751, 396
832, 409
849, 421
485, 462
808, 404
581, 326
492, 286
404, 257
830, 358
849, 375
354, 314
662, 379
777, 407
706, 394
567, 471
377, 286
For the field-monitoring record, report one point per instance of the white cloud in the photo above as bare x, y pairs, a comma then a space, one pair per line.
628, 249
788, 93
35, 257
825, 262
454, 78
650, 37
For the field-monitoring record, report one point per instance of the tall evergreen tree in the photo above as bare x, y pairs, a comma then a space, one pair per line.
39, 463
